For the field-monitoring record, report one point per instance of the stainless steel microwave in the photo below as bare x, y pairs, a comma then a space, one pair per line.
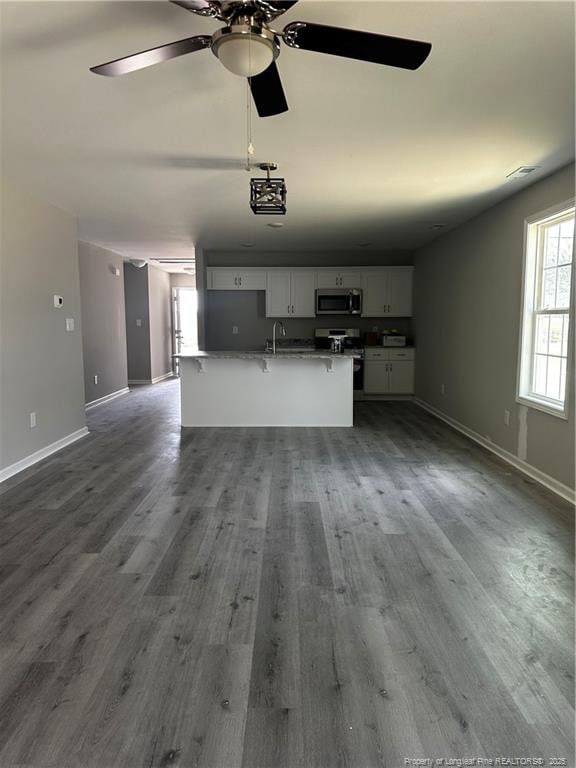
339, 301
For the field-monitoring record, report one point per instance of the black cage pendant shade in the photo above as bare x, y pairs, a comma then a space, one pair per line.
268, 196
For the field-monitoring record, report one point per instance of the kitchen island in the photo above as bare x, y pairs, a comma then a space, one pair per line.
262, 389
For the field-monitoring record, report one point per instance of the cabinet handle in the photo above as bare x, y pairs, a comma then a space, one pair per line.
292, 308
239, 281
235, 281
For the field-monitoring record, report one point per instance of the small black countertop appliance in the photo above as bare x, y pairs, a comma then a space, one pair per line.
347, 341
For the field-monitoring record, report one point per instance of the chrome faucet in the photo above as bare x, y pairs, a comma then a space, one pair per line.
282, 333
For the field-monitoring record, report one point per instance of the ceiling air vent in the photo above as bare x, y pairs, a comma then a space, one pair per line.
523, 171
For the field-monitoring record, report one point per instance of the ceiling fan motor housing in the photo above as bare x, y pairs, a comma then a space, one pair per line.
244, 49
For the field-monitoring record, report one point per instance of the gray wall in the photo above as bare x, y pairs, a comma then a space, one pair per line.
247, 310
467, 319
137, 336
103, 321
40, 362
360, 257
160, 302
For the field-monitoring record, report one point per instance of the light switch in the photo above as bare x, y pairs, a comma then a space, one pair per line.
69, 323
139, 323
235, 330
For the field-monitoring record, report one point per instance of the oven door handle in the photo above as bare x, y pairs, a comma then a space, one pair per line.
350, 304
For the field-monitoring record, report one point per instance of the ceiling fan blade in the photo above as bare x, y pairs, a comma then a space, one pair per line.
353, 44
152, 56
202, 7
268, 93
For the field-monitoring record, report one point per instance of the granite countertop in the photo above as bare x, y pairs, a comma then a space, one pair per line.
250, 354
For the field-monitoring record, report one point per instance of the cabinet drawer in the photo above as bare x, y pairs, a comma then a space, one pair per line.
400, 354
377, 353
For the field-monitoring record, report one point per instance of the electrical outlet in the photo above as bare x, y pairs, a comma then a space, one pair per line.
58, 301
507, 418
96, 379
442, 389
374, 329
235, 330
32, 419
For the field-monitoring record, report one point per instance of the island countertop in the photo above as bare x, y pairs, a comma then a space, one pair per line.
313, 354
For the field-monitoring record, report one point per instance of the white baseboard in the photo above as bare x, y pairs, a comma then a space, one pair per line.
163, 377
155, 380
43, 453
549, 482
106, 398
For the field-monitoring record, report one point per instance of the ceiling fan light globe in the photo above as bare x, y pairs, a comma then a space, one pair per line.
244, 56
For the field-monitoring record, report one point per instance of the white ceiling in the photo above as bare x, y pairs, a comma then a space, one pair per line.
152, 163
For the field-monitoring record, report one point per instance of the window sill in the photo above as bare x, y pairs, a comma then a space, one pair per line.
541, 405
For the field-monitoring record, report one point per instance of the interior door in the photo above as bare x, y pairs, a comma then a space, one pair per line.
278, 294
302, 298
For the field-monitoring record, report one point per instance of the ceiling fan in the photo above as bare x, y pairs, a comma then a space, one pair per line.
249, 47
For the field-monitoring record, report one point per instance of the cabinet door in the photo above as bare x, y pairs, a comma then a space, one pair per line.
376, 377
278, 294
252, 280
350, 280
328, 278
374, 294
223, 280
401, 378
302, 298
400, 292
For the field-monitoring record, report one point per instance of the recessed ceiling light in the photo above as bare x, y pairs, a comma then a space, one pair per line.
523, 171
275, 225
247, 245
437, 226
363, 245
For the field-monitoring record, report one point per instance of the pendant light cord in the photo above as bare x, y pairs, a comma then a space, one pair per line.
249, 144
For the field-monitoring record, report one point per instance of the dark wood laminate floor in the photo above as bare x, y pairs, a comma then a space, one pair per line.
265, 598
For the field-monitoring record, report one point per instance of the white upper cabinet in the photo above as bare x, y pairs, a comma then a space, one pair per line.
387, 292
302, 290
338, 278
278, 294
374, 294
222, 280
236, 279
290, 293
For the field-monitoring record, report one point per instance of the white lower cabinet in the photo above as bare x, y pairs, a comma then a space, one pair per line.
290, 293
389, 372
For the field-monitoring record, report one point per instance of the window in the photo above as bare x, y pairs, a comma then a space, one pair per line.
546, 311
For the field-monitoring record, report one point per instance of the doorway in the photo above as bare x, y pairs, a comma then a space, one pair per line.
185, 321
